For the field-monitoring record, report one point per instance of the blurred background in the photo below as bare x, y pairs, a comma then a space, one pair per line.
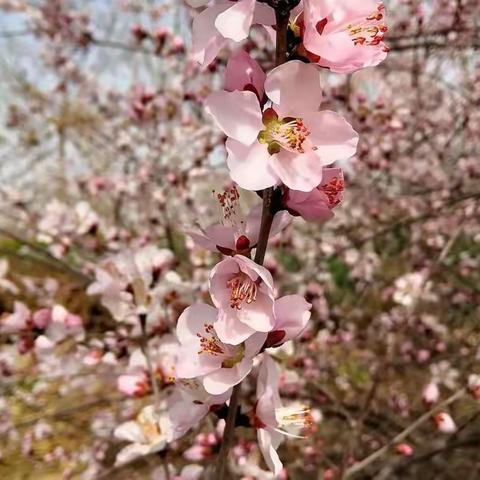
105, 146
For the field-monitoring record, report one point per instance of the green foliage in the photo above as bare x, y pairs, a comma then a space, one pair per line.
289, 261
340, 273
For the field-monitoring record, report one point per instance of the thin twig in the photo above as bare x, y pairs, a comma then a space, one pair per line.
402, 435
146, 352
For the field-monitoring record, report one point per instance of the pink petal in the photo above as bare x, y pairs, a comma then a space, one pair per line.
334, 44
282, 87
237, 114
268, 375
219, 275
302, 171
333, 136
268, 441
249, 165
221, 380
292, 314
258, 315
242, 71
206, 40
252, 269
254, 344
192, 364
230, 330
265, 409
280, 222
264, 15
221, 235
311, 206
193, 319
235, 22
202, 241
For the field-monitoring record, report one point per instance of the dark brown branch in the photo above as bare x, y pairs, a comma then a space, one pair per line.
266, 224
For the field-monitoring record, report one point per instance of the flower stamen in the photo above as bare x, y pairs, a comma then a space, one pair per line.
242, 290
371, 32
298, 416
209, 343
288, 133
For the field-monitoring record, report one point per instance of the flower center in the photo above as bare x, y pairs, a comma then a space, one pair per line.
242, 290
235, 356
287, 133
298, 416
371, 31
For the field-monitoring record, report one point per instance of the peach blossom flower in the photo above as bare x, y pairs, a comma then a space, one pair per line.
244, 293
146, 435
344, 35
444, 422
272, 420
289, 142
225, 21
237, 233
317, 205
202, 354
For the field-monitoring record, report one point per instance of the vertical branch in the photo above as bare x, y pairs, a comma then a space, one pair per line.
268, 212
62, 168
146, 352
358, 467
228, 433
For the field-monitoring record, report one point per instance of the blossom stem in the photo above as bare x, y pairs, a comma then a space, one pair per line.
228, 433
146, 352
358, 467
268, 212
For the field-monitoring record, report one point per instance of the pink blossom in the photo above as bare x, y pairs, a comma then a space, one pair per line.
236, 233
146, 435
244, 293
17, 321
136, 381
63, 324
317, 205
292, 314
224, 21
134, 384
289, 142
202, 354
244, 74
404, 449
431, 394
129, 283
474, 385
444, 422
344, 36
188, 404
272, 420
41, 318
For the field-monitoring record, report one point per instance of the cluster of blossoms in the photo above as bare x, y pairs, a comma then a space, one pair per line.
43, 329
278, 139
281, 137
